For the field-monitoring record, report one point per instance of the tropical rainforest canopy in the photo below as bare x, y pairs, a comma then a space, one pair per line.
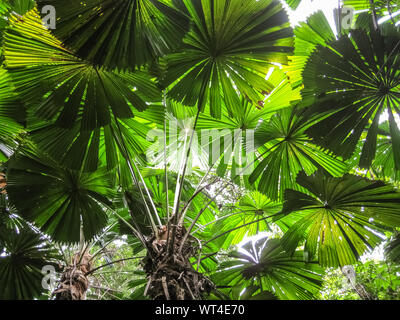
199, 150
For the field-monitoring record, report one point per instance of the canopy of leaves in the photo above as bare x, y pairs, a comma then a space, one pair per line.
226, 144
79, 161
383, 166
90, 150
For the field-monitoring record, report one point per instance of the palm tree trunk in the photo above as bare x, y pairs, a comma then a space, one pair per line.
3, 182
362, 292
74, 281
172, 276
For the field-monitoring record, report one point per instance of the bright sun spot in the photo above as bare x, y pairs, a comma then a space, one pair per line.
308, 7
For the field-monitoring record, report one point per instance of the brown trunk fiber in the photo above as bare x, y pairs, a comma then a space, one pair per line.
172, 276
74, 282
3, 183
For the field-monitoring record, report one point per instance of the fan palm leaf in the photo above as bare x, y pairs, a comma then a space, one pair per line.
235, 132
117, 33
20, 6
8, 7
288, 150
341, 218
383, 165
59, 86
355, 80
11, 111
266, 265
26, 253
308, 35
78, 148
293, 4
228, 50
251, 208
58, 200
224, 144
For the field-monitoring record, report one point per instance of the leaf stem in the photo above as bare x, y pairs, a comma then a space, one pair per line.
219, 192
121, 144
110, 263
237, 228
180, 183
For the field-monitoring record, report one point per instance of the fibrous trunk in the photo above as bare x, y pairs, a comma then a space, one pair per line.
3, 182
171, 275
74, 283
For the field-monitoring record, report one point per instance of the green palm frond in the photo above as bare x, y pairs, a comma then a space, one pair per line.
11, 111
57, 85
58, 200
3, 23
77, 148
119, 33
8, 7
387, 10
3, 8
288, 150
341, 218
9, 218
308, 35
246, 116
355, 80
293, 4
267, 266
384, 166
251, 208
226, 144
20, 6
26, 253
228, 50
